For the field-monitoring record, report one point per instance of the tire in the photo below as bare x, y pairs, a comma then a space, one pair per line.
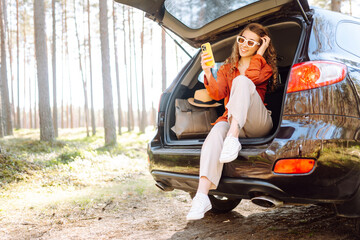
221, 204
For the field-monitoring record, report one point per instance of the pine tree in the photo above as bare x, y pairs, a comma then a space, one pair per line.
117, 68
93, 125
6, 107
109, 119
46, 125
55, 120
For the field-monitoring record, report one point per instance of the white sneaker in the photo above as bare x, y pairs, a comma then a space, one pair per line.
230, 150
200, 205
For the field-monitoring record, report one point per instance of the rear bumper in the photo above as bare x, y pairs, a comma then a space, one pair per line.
238, 188
335, 179
249, 188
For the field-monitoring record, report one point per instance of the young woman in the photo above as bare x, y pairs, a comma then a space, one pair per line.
242, 82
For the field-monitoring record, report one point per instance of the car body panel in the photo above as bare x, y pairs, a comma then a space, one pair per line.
337, 160
322, 123
336, 99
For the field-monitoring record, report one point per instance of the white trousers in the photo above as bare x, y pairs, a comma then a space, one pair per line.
246, 106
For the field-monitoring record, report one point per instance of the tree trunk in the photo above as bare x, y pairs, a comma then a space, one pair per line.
11, 70
79, 117
46, 126
126, 74
143, 112
18, 124
350, 6
30, 107
1, 103
55, 119
1, 121
70, 122
62, 64
24, 125
135, 71
109, 119
117, 69
336, 5
93, 125
153, 110
68, 115
24, 79
82, 77
163, 59
130, 74
4, 80
35, 104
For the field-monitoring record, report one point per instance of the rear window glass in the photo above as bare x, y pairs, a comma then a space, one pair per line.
347, 37
197, 13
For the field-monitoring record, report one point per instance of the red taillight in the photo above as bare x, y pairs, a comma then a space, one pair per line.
294, 166
309, 75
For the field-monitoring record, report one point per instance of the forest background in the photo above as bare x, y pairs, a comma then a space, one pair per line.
90, 60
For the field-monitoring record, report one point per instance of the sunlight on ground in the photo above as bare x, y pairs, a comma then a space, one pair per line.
74, 172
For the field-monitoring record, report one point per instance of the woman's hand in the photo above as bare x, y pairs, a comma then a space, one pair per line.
205, 57
265, 41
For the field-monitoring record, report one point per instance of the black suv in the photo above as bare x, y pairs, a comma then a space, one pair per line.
312, 155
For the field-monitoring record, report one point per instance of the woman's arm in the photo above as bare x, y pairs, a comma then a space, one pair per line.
217, 89
258, 70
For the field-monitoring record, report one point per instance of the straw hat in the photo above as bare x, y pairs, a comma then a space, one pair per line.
202, 99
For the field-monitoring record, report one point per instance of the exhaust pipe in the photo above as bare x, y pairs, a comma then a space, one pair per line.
267, 201
163, 186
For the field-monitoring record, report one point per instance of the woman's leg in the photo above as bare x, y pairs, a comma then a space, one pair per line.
247, 110
210, 167
204, 185
210, 170
234, 130
247, 114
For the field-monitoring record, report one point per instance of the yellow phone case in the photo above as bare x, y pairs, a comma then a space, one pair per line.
206, 48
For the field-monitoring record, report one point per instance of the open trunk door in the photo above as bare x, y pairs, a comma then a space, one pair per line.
199, 21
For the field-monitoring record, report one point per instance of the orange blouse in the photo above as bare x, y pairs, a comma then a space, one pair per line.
258, 72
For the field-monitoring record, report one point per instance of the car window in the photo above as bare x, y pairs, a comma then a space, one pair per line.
197, 13
347, 37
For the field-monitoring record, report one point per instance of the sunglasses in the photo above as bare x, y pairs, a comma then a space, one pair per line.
249, 43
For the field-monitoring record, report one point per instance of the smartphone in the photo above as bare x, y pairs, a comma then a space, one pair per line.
206, 48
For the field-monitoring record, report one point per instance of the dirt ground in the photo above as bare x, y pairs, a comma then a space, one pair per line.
111, 195
152, 214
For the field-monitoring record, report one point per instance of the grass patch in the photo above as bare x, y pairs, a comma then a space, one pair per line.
70, 156
74, 170
13, 169
132, 145
20, 145
21, 156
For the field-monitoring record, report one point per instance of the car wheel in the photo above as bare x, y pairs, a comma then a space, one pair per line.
221, 204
